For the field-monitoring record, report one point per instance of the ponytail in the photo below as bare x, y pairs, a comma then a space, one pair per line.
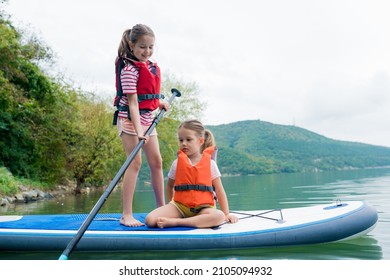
208, 140
124, 48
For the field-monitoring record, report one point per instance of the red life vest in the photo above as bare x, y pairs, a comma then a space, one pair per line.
149, 83
193, 184
148, 86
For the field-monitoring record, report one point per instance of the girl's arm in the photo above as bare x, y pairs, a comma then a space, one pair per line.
134, 114
170, 189
223, 201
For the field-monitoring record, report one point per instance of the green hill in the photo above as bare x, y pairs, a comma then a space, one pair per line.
257, 147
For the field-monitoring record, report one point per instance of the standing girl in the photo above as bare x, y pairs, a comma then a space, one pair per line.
193, 180
138, 95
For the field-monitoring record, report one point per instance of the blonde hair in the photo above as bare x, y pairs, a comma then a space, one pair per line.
198, 127
132, 35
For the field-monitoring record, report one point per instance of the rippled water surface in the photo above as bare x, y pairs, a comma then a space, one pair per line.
251, 193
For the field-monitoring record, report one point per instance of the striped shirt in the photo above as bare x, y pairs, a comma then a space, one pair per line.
129, 78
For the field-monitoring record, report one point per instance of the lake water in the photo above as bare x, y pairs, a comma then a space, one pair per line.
249, 193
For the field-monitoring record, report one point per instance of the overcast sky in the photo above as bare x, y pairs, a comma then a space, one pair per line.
320, 65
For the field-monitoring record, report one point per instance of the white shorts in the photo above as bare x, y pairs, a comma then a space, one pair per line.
126, 126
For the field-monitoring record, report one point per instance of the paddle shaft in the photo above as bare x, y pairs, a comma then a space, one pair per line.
73, 242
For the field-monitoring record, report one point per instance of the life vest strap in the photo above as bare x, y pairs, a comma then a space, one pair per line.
122, 108
194, 187
150, 96
125, 109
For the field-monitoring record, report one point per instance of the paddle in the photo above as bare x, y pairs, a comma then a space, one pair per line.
114, 182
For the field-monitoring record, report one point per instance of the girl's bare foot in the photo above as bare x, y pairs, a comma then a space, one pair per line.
129, 221
163, 222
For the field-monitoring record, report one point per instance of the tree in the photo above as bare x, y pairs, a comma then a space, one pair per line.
188, 105
94, 152
31, 107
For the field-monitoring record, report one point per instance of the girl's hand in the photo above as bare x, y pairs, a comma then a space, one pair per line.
164, 105
143, 137
231, 218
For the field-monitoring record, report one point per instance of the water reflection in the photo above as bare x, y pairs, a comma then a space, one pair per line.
250, 193
364, 248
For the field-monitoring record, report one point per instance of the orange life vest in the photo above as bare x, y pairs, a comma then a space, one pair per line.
193, 185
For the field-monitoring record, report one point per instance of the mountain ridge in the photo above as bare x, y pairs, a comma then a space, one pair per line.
259, 147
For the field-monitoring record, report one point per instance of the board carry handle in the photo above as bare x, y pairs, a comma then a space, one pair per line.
74, 241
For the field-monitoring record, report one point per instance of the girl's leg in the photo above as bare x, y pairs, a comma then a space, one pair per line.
168, 210
207, 218
129, 181
153, 156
